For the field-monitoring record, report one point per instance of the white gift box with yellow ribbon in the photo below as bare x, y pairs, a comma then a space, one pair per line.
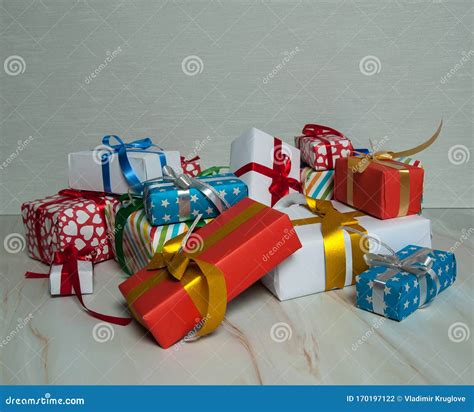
305, 272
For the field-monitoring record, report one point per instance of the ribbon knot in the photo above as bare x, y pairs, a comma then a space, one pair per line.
417, 265
185, 182
121, 148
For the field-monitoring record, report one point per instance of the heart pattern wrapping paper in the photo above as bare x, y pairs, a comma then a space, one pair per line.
55, 222
315, 151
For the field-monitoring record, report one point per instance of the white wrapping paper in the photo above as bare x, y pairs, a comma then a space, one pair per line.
85, 272
85, 169
258, 147
304, 272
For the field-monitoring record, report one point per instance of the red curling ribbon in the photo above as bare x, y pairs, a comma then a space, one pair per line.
68, 258
281, 182
319, 131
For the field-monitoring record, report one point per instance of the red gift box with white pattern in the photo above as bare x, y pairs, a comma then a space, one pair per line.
56, 221
321, 146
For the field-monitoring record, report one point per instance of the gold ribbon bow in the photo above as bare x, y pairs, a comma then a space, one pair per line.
358, 164
183, 265
332, 228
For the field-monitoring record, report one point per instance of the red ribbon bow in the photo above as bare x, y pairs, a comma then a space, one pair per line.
281, 182
319, 131
69, 258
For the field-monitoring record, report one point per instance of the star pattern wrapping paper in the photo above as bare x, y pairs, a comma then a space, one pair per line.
401, 295
162, 199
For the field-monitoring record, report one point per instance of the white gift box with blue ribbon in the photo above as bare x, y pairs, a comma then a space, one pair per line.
397, 285
119, 168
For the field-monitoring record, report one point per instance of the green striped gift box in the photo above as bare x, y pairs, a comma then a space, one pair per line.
317, 184
140, 240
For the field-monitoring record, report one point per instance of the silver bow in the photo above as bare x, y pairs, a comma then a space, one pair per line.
412, 265
184, 183
418, 263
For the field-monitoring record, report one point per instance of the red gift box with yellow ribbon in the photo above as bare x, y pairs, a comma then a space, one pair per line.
379, 185
185, 289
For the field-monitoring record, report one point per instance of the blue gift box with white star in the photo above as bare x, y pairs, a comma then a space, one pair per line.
395, 293
165, 203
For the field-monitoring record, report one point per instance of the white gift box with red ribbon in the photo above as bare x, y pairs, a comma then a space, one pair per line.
60, 283
269, 166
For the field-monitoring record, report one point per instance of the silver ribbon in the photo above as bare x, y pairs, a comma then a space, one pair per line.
184, 183
418, 263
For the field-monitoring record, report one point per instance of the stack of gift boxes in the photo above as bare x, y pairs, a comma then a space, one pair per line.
303, 219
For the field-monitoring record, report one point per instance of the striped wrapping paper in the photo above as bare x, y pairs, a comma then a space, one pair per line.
320, 184
140, 239
317, 184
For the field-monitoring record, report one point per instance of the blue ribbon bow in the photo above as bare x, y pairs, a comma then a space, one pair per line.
122, 148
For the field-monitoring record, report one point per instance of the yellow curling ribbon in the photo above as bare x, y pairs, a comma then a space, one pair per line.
358, 164
332, 222
203, 281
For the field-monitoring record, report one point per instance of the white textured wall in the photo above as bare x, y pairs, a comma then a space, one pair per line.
144, 91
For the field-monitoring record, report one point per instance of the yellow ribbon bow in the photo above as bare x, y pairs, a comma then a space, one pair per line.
358, 164
332, 228
181, 262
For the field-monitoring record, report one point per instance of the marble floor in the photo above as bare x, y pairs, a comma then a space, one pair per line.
319, 339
